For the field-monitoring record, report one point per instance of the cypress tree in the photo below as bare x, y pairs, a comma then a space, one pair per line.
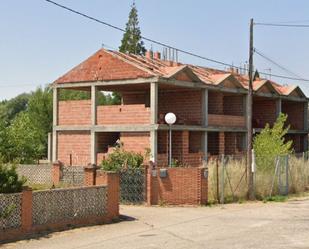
131, 41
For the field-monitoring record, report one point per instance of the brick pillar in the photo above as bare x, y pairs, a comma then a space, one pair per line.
221, 143
185, 146
56, 171
149, 184
111, 179
26, 209
90, 175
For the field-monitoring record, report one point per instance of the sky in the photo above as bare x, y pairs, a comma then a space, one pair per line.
39, 42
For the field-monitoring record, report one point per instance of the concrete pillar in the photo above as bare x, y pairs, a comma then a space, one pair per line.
94, 105
154, 120
205, 146
49, 146
278, 107
153, 103
93, 149
205, 107
55, 123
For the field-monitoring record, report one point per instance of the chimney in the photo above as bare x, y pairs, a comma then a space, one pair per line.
157, 55
149, 54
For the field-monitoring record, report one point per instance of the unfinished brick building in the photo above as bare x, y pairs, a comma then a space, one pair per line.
210, 106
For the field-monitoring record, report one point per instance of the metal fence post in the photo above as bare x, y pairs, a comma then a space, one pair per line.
222, 179
287, 175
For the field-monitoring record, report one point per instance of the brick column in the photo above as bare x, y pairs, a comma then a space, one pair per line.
90, 175
185, 146
56, 171
26, 209
149, 184
111, 179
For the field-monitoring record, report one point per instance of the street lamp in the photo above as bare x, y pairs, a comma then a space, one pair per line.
170, 119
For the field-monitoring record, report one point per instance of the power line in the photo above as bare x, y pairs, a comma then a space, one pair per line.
17, 85
282, 25
276, 63
168, 46
143, 37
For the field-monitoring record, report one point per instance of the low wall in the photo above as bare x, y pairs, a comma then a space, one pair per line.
36, 173
226, 120
177, 186
30, 212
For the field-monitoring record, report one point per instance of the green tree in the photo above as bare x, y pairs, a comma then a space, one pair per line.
271, 143
131, 41
24, 140
39, 111
10, 108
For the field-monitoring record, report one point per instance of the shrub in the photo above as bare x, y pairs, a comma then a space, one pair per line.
9, 181
271, 143
120, 158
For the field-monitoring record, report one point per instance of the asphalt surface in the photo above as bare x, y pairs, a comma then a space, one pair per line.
249, 225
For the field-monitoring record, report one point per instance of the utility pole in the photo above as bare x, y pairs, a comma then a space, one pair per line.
249, 117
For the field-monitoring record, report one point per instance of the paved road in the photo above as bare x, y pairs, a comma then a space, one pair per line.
251, 225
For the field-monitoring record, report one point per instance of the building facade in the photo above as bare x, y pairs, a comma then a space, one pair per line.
210, 106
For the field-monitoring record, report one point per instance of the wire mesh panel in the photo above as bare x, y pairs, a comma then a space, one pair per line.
36, 174
10, 211
72, 175
52, 206
132, 186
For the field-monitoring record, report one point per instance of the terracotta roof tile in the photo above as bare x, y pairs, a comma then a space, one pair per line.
113, 65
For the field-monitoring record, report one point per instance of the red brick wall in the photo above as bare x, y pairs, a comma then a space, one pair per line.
74, 112
76, 143
233, 105
123, 114
105, 140
136, 98
234, 143
215, 102
264, 111
295, 112
181, 186
180, 148
187, 106
225, 104
226, 120
135, 141
298, 142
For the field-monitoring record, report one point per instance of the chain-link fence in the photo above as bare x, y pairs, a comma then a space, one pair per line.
133, 186
282, 175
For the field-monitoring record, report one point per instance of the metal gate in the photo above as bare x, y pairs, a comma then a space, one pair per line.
132, 186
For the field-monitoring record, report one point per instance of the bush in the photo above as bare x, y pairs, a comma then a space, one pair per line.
120, 158
271, 143
9, 181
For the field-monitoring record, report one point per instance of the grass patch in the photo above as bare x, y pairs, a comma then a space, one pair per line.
276, 198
